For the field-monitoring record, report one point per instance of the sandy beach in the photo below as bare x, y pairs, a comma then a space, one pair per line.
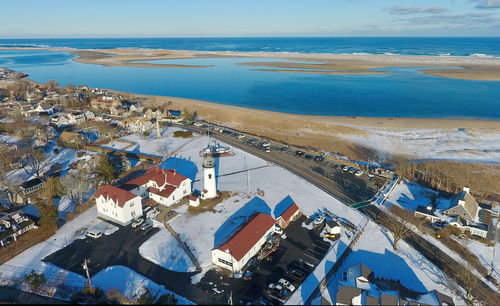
469, 68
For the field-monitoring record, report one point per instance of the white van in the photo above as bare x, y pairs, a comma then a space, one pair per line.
94, 233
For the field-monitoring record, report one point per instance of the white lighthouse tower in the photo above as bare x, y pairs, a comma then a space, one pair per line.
209, 184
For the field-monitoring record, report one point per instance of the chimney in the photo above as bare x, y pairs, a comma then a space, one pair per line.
175, 171
466, 189
461, 202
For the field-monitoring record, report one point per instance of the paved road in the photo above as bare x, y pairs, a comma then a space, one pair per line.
428, 250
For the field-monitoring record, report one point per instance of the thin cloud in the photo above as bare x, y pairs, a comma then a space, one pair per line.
407, 9
487, 4
471, 19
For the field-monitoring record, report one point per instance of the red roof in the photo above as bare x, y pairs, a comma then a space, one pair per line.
158, 175
252, 231
288, 213
119, 196
166, 192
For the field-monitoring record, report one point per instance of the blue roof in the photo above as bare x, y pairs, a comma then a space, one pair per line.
282, 206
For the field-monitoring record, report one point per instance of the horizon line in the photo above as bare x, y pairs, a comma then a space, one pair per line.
210, 37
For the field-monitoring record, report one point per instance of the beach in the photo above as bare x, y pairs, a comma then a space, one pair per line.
457, 67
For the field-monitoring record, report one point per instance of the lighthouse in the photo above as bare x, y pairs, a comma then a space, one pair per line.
209, 186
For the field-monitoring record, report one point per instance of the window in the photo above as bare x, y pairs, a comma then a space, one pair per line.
227, 263
184, 192
209, 175
131, 204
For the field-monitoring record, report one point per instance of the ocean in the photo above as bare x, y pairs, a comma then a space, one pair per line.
445, 46
403, 93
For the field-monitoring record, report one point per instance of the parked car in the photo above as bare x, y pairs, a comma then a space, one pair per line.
319, 158
352, 169
266, 144
241, 136
147, 225
345, 168
284, 149
170, 213
252, 267
93, 233
152, 213
296, 275
137, 222
278, 230
358, 173
285, 283
267, 149
299, 153
308, 156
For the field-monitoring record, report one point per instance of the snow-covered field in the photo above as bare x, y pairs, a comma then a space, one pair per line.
130, 283
163, 250
409, 195
453, 144
415, 272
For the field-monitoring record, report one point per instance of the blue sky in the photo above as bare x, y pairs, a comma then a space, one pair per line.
213, 18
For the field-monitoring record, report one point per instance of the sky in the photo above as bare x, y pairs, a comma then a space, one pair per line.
229, 18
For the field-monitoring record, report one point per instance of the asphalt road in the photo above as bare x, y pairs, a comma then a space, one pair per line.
482, 292
14, 296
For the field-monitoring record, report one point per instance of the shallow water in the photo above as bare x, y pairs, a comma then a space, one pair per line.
403, 93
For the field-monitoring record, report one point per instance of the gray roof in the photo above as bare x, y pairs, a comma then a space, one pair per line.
467, 211
346, 293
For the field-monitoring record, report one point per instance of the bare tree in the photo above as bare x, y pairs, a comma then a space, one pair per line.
52, 84
400, 229
76, 186
34, 161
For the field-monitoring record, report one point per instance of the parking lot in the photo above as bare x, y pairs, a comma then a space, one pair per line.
359, 187
302, 249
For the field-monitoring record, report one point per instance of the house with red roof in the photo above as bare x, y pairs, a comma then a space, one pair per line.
244, 243
286, 211
117, 205
166, 187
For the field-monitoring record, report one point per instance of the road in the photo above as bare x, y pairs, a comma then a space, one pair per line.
482, 292
14, 296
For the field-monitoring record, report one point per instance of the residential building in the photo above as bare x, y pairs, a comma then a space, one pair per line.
44, 108
60, 120
428, 212
475, 228
332, 227
244, 243
359, 286
76, 117
13, 225
118, 205
166, 187
463, 205
22, 194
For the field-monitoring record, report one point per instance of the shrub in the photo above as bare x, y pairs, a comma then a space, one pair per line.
146, 133
79, 153
183, 134
35, 280
56, 151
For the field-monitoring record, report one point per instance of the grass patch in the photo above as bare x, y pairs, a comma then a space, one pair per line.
183, 134
209, 205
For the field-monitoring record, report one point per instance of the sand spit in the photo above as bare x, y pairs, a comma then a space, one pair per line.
473, 68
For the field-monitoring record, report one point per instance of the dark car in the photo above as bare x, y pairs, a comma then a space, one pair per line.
299, 153
284, 149
319, 158
296, 275
308, 156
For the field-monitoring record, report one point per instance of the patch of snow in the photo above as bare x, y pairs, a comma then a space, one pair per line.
163, 250
130, 283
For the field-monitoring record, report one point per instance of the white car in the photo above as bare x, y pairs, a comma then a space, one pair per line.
137, 222
278, 230
241, 136
319, 220
266, 144
94, 233
286, 284
358, 173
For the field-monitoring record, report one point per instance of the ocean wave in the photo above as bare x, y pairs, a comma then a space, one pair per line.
24, 46
390, 53
480, 55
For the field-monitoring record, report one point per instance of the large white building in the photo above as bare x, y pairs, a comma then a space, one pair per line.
245, 243
166, 187
117, 205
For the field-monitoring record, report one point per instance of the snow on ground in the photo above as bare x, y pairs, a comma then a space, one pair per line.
64, 205
6, 138
31, 258
415, 272
409, 195
456, 144
163, 250
130, 283
163, 146
203, 231
105, 228
118, 145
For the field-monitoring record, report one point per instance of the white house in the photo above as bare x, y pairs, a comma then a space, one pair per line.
60, 120
76, 117
332, 227
44, 108
117, 205
166, 187
245, 243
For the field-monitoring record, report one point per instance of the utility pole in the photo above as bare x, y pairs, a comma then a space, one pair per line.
248, 174
86, 268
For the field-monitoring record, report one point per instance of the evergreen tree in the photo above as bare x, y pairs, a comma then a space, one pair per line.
105, 170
